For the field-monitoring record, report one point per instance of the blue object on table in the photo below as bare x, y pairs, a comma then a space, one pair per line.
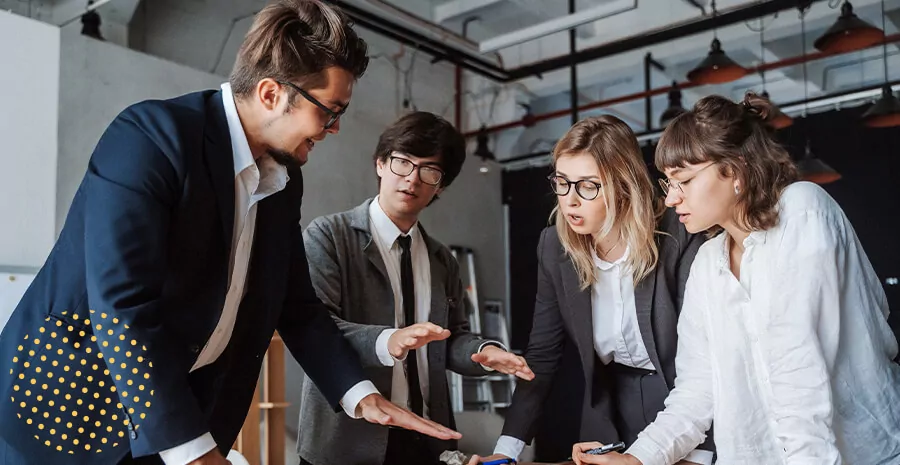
499, 462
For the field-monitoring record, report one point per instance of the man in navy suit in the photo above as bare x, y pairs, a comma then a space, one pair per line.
141, 338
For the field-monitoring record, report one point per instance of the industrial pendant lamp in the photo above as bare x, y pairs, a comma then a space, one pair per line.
811, 168
717, 67
849, 33
675, 107
885, 112
483, 151
815, 170
778, 120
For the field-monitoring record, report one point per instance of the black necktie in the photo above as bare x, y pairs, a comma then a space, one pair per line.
407, 284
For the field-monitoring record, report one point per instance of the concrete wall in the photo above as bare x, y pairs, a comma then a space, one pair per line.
99, 80
28, 122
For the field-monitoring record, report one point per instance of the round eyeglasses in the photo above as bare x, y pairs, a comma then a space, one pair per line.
587, 190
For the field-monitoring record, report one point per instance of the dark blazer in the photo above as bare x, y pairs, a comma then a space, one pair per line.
562, 308
350, 277
96, 356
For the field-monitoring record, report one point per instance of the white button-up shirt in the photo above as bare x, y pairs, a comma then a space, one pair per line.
385, 233
793, 362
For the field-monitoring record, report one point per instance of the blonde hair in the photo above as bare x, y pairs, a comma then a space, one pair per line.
626, 189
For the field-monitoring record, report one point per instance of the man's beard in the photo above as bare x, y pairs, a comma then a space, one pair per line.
284, 158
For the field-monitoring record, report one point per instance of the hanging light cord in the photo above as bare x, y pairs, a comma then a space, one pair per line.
714, 14
762, 54
805, 79
884, 45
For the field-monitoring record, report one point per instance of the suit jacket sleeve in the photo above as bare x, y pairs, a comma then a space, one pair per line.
312, 336
131, 188
462, 343
327, 279
545, 348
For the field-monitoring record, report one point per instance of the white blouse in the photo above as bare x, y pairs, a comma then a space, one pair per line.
793, 364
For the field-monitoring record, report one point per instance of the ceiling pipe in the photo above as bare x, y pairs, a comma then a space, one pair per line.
792, 61
564, 23
481, 66
541, 158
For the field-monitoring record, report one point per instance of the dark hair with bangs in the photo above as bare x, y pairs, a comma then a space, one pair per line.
737, 137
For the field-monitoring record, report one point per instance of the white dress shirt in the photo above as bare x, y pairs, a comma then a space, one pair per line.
792, 362
385, 234
254, 181
617, 335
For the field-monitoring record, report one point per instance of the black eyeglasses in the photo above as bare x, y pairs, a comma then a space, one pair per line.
333, 116
428, 174
587, 190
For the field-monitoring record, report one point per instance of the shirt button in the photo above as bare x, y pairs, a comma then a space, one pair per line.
195, 348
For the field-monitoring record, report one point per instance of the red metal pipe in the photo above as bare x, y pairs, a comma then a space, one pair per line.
662, 90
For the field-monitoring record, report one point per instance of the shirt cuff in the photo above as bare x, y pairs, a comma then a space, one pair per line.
644, 450
490, 343
510, 447
703, 457
189, 451
352, 398
381, 348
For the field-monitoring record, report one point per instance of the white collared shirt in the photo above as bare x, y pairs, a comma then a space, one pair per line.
793, 361
254, 180
617, 336
385, 234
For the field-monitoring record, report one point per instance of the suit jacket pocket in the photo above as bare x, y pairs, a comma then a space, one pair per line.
65, 402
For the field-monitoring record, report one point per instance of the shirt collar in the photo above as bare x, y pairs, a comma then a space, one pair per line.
385, 227
724, 259
605, 265
273, 176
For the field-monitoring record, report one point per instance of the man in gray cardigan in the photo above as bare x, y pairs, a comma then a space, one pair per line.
396, 294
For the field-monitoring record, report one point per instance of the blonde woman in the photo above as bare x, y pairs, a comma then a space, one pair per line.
611, 275
783, 341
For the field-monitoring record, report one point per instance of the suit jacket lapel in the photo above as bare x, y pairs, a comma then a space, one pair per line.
360, 221
578, 304
643, 301
438, 313
220, 162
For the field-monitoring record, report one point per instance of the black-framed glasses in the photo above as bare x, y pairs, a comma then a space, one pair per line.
333, 116
404, 167
586, 189
678, 186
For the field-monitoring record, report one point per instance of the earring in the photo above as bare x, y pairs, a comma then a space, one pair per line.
737, 190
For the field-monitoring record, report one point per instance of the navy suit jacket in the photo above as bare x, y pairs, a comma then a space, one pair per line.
96, 357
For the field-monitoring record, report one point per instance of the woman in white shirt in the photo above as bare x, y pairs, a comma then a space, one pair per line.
611, 276
783, 341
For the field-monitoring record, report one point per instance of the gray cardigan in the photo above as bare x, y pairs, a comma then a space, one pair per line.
349, 276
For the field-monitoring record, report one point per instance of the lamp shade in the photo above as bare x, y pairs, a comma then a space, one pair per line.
848, 33
716, 68
885, 112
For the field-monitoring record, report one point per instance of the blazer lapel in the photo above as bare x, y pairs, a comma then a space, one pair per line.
643, 302
578, 304
360, 221
439, 313
220, 162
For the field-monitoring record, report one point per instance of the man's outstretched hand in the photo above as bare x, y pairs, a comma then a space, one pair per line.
376, 409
